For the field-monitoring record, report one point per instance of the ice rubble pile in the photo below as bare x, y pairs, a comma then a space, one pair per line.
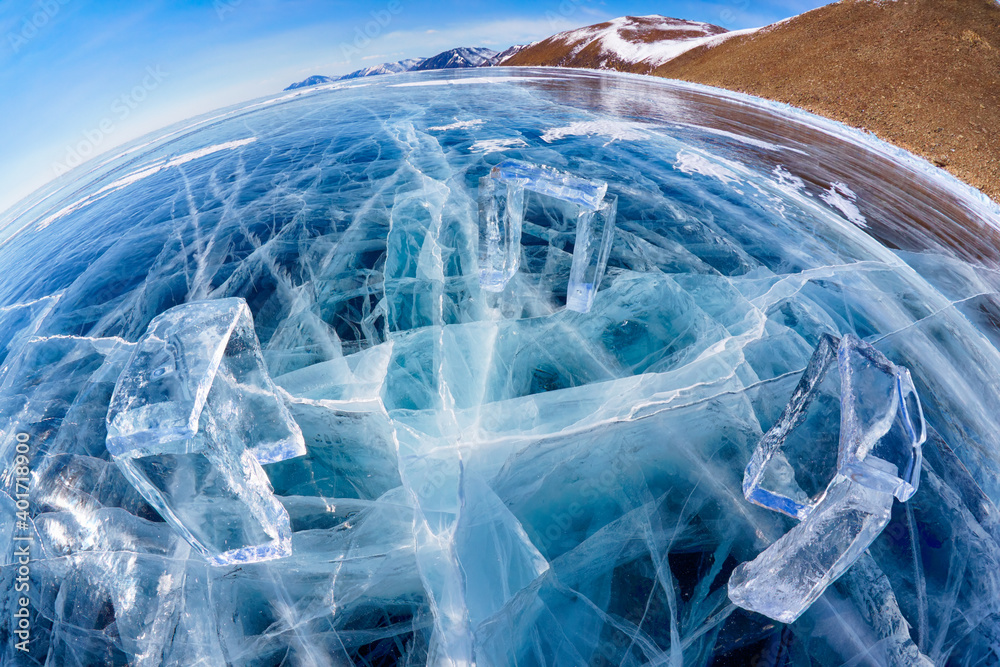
848, 494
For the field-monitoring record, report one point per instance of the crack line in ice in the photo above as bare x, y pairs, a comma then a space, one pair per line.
950, 305
141, 174
800, 279
918, 574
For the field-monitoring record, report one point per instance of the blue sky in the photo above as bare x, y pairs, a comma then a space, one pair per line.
79, 72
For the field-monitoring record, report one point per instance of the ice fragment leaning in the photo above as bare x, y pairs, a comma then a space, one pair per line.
874, 429
198, 357
192, 417
879, 433
838, 423
794, 462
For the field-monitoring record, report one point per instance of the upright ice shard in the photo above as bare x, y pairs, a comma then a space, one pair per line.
788, 576
501, 213
793, 464
193, 416
501, 216
881, 421
594, 233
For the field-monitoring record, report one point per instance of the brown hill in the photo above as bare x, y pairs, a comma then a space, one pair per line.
628, 44
922, 74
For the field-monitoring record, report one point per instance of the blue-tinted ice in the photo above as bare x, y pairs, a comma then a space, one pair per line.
851, 424
882, 423
790, 575
493, 478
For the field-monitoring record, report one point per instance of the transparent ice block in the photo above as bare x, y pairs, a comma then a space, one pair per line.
793, 464
840, 423
550, 181
197, 357
881, 421
192, 417
501, 213
594, 233
788, 576
501, 216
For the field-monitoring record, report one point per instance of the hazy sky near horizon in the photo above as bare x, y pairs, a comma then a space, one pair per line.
75, 73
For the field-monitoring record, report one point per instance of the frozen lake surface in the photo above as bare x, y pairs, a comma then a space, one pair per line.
490, 477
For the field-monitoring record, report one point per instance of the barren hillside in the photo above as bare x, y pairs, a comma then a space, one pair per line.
922, 74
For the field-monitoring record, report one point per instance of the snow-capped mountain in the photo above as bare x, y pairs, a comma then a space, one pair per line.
474, 56
630, 43
384, 68
508, 52
312, 81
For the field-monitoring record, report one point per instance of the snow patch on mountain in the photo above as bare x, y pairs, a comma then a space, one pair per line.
625, 38
384, 68
476, 56
510, 51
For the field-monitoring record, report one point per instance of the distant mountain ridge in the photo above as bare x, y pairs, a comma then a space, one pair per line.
472, 56
475, 56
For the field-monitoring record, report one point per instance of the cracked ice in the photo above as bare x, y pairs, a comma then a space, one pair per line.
458, 476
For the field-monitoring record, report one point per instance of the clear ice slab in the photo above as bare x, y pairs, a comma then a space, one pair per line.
501, 215
875, 431
792, 465
850, 423
594, 233
791, 574
552, 182
195, 358
192, 418
501, 219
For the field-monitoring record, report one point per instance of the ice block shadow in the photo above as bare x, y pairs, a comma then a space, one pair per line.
842, 497
192, 418
501, 217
